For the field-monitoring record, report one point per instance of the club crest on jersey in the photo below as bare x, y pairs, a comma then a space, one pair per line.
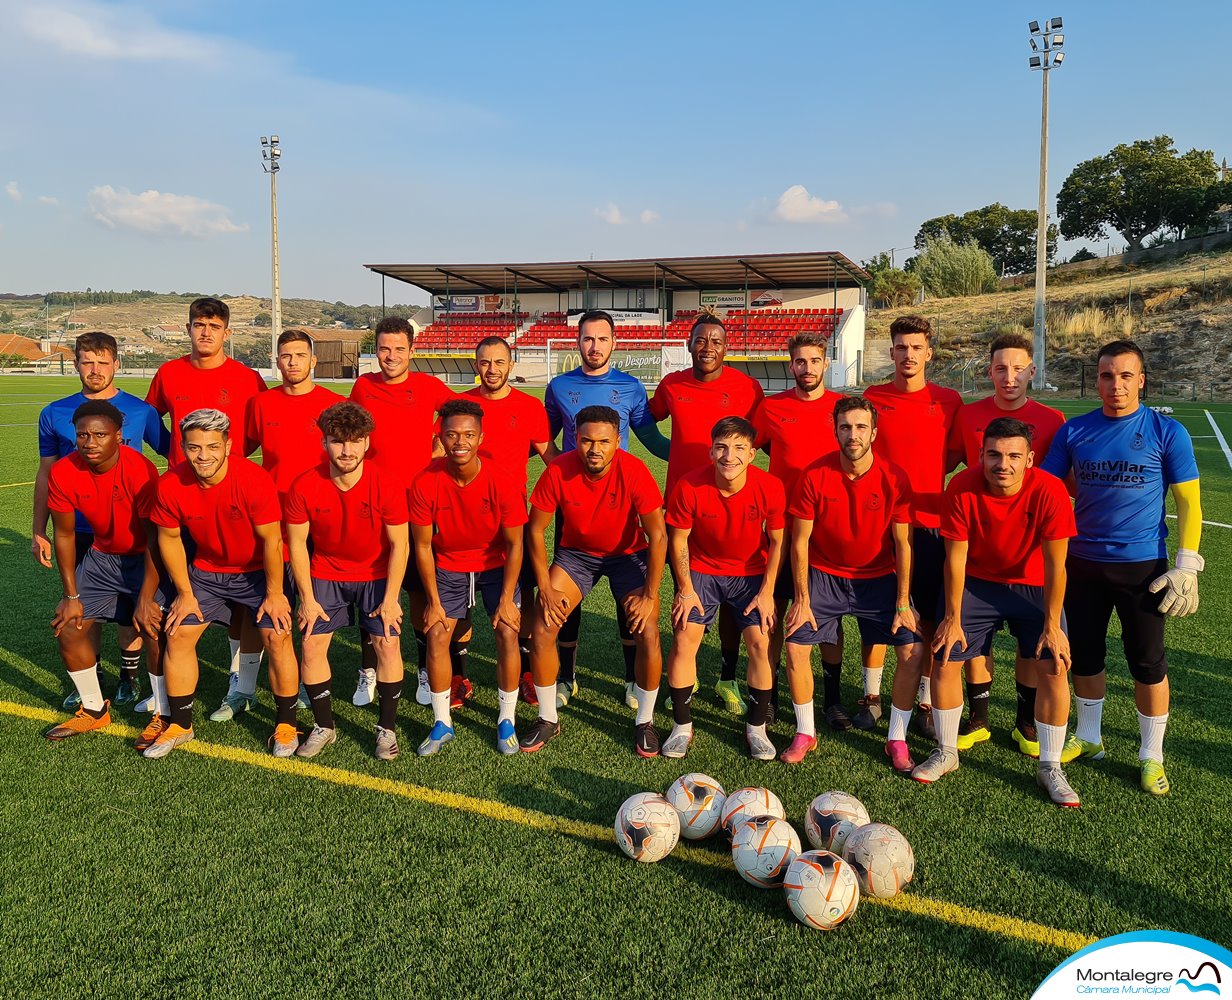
614, 397
115, 493
365, 510
752, 513
224, 396
874, 501
611, 500
725, 401
235, 512
1138, 442
486, 505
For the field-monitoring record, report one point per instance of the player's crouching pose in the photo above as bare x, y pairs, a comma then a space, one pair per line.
719, 517
112, 487
611, 525
229, 508
851, 555
1006, 527
478, 512
357, 521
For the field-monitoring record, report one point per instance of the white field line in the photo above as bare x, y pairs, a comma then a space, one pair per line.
1227, 452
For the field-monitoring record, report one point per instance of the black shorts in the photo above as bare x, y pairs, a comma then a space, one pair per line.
734, 592
870, 600
928, 574
986, 606
1096, 589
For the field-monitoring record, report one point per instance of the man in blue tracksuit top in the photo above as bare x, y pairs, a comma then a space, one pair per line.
596, 383
1123, 459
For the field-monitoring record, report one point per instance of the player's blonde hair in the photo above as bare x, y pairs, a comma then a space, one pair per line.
205, 419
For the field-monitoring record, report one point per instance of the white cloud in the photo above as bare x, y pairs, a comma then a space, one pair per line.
159, 213
123, 33
648, 216
611, 215
46, 199
12, 190
797, 205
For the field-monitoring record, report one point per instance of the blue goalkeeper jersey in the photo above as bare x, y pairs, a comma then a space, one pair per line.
571, 392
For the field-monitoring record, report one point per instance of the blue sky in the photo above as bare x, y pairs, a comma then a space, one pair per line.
129, 152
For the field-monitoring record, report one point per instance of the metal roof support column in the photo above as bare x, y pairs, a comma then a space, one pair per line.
382, 296
744, 313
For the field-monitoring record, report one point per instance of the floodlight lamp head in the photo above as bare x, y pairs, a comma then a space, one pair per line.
264, 140
273, 140
1058, 58
1056, 24
1058, 40
275, 153
1034, 44
1037, 62
1034, 27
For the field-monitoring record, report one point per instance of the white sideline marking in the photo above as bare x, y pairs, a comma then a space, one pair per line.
1212, 524
1227, 452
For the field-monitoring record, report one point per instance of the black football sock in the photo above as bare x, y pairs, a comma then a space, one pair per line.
322, 704
681, 697
977, 701
831, 674
284, 708
421, 650
759, 705
388, 693
181, 709
458, 658
1026, 705
130, 663
630, 651
729, 658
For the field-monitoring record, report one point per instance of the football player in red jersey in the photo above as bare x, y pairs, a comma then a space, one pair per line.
1007, 528
229, 508
356, 520
914, 418
1011, 369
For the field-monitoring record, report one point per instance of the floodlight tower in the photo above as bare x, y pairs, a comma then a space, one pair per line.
1046, 43
271, 156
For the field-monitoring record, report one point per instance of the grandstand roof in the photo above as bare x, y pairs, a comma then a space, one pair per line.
821, 269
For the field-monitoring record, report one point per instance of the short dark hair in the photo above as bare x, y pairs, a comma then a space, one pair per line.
848, 403
590, 315
209, 308
493, 342
460, 408
911, 324
1007, 427
96, 342
394, 324
733, 427
99, 408
1012, 342
597, 415
1118, 347
706, 319
345, 421
807, 338
295, 336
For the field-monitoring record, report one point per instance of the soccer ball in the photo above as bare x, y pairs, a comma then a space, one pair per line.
745, 803
822, 890
699, 799
831, 818
647, 827
762, 848
882, 859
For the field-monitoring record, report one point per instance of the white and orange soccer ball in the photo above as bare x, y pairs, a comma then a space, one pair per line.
647, 827
831, 818
762, 849
745, 803
882, 859
699, 800
821, 889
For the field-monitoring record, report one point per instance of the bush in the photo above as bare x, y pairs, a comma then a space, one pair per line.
1081, 255
947, 268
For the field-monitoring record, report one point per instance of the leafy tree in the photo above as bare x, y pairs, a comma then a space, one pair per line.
1007, 234
891, 285
1082, 254
1138, 189
948, 268
262, 319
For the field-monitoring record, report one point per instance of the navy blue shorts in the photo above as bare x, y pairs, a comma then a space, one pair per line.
216, 592
737, 592
349, 604
109, 586
459, 592
625, 573
928, 573
872, 601
986, 606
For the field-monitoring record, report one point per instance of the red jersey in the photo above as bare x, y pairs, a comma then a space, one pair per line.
851, 518
726, 533
798, 431
285, 428
405, 415
599, 517
113, 502
220, 519
468, 518
967, 434
347, 527
179, 388
510, 427
913, 432
1004, 535
695, 407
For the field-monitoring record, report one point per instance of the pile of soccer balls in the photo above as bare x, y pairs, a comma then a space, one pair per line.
850, 854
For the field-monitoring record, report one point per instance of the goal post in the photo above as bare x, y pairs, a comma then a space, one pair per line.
646, 360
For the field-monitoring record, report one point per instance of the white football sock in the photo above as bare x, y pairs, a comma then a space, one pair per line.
645, 704
235, 655
249, 667
1090, 719
872, 680
547, 702
1151, 728
86, 682
925, 696
804, 718
947, 720
440, 707
899, 718
507, 703
158, 685
1051, 740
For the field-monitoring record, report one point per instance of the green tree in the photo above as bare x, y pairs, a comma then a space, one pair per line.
1008, 234
1136, 190
262, 319
1082, 254
891, 285
948, 268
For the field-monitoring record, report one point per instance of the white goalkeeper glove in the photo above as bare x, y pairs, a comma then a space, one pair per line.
1179, 585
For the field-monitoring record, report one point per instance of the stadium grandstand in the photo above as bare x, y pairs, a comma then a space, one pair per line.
763, 299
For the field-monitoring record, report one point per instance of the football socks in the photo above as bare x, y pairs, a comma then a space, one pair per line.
977, 699
388, 693
322, 705
1151, 728
1090, 719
